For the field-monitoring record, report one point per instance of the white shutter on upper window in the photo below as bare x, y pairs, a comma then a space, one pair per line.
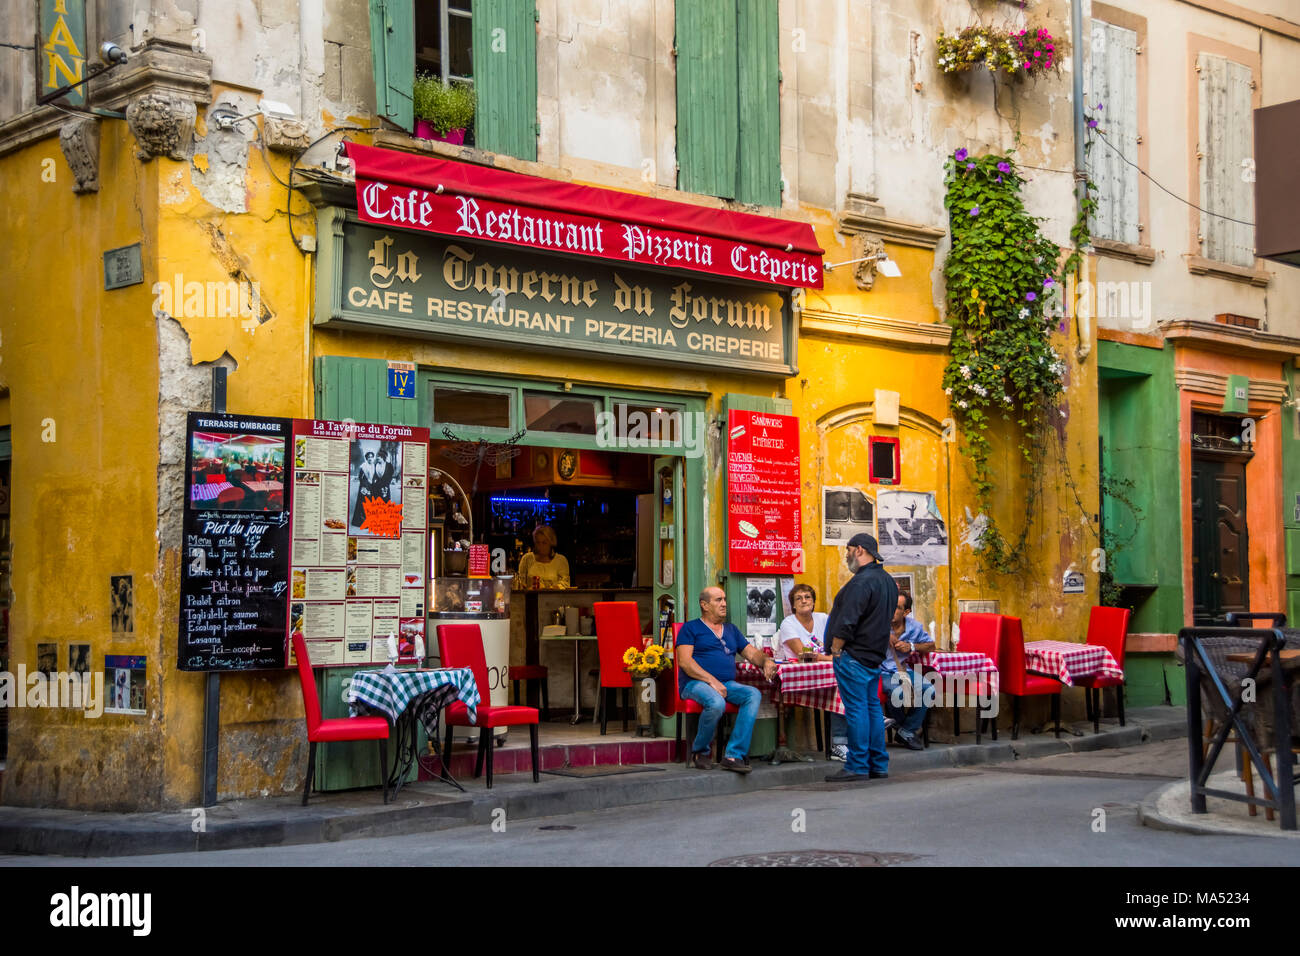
1226, 149
1113, 84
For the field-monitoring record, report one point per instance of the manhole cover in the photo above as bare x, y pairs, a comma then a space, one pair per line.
814, 858
558, 826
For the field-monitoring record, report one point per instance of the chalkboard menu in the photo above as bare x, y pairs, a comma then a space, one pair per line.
235, 559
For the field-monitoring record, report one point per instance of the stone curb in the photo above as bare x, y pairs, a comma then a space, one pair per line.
426, 806
1149, 815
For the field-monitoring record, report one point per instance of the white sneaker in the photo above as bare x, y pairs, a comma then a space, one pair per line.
840, 752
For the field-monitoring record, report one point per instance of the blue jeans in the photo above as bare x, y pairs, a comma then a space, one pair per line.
909, 719
744, 697
859, 690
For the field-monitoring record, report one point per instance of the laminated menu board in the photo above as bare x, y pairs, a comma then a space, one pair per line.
763, 517
358, 537
235, 556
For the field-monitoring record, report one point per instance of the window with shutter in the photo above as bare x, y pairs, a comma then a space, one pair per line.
491, 44
1225, 105
1113, 82
728, 111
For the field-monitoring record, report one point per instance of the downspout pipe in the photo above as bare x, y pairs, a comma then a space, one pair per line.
1083, 322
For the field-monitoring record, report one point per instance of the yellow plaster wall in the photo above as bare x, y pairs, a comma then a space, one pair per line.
81, 368
833, 396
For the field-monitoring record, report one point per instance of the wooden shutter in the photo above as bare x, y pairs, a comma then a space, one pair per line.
1113, 83
1225, 141
707, 101
505, 76
357, 388
758, 177
392, 52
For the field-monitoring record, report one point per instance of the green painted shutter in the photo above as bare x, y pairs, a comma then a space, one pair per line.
707, 101
505, 77
357, 389
392, 51
758, 178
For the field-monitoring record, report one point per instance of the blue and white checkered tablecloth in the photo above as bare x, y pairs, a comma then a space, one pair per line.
393, 692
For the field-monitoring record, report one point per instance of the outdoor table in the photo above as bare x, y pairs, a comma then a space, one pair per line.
577, 677
799, 684
1067, 662
260, 486
408, 697
960, 662
209, 491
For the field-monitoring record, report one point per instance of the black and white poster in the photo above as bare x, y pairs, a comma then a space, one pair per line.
912, 532
846, 512
375, 473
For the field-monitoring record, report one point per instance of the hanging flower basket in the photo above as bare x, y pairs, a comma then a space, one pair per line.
1013, 53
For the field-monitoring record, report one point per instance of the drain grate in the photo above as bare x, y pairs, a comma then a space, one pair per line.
814, 858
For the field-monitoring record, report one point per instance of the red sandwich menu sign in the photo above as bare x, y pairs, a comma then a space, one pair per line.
479, 203
763, 527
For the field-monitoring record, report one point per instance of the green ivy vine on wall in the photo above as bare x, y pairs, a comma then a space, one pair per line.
1000, 273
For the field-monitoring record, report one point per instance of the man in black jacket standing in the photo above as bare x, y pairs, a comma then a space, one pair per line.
857, 633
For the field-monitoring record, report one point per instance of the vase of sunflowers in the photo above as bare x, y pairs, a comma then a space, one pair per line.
645, 666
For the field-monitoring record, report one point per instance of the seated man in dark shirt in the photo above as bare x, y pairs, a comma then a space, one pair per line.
706, 656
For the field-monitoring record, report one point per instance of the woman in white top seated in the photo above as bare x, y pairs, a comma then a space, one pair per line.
804, 631
550, 569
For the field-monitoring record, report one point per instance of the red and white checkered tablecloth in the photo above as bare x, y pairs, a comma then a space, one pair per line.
803, 685
1068, 662
209, 491
958, 662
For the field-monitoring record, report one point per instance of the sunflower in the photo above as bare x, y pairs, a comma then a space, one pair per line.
629, 656
652, 660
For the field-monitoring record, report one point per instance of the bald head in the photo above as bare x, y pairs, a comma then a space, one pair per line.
713, 605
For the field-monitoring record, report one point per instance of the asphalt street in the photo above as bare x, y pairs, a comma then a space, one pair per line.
1067, 810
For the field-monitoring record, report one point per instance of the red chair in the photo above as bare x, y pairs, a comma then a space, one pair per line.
1107, 626
981, 634
618, 627
461, 645
677, 705
215, 478
529, 673
231, 496
336, 728
1016, 683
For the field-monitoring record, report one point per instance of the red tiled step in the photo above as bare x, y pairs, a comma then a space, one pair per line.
517, 759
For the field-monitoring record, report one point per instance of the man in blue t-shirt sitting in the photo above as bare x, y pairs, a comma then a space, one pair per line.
706, 658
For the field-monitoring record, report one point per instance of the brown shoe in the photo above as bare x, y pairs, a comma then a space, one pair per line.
700, 761
739, 766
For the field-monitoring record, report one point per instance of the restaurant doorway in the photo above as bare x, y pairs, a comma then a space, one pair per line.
1220, 536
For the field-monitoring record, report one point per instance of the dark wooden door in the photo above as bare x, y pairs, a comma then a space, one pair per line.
1220, 550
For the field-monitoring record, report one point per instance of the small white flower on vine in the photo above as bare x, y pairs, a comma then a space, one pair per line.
979, 390
1006, 399
1024, 313
965, 371
947, 391
961, 403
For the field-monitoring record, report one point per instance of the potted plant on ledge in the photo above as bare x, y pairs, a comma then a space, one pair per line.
443, 111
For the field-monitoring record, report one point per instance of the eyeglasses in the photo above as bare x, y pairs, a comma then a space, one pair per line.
805, 597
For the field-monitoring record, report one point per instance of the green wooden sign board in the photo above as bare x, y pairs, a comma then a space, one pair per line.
61, 58
419, 284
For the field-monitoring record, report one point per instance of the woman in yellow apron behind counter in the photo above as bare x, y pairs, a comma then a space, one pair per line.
542, 567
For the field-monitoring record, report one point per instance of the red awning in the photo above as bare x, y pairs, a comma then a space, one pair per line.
494, 205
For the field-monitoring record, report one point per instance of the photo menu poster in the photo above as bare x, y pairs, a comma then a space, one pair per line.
764, 534
235, 556
358, 541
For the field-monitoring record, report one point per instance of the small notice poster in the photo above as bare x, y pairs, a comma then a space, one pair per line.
358, 542
234, 591
764, 534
